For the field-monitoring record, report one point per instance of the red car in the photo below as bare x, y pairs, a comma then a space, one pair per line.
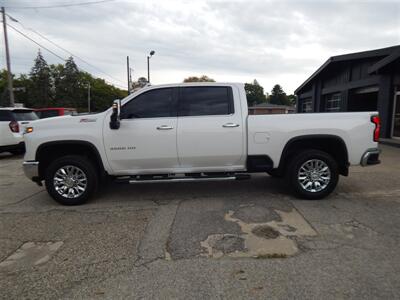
54, 112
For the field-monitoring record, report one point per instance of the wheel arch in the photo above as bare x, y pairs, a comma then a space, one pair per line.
49, 151
331, 144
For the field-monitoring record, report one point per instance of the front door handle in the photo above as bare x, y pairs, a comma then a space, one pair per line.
230, 125
164, 127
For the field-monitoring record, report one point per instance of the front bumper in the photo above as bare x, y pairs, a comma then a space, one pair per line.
31, 170
370, 157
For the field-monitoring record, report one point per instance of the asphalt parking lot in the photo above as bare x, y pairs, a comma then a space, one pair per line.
239, 239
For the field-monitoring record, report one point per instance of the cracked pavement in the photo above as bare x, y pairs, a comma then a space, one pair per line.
148, 241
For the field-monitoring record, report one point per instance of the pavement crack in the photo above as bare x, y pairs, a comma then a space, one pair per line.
23, 199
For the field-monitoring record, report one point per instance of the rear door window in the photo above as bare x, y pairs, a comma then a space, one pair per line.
24, 115
205, 101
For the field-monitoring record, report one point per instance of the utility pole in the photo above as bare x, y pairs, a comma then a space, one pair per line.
128, 74
88, 98
9, 76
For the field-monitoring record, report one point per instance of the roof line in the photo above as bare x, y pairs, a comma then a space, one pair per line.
355, 55
384, 62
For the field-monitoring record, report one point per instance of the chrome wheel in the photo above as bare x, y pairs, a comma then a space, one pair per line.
70, 181
314, 175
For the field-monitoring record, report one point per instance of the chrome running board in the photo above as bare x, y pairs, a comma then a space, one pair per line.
190, 179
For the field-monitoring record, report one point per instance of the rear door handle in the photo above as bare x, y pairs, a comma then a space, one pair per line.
230, 125
164, 127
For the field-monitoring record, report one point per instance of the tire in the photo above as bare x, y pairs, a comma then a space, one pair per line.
307, 183
82, 180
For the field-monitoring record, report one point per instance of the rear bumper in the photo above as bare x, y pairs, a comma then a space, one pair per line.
370, 157
31, 170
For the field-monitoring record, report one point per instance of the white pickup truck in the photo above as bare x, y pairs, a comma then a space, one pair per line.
196, 132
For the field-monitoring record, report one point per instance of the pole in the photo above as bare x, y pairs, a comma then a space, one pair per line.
88, 97
130, 75
127, 70
148, 69
9, 76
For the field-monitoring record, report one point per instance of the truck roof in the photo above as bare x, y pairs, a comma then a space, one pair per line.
195, 84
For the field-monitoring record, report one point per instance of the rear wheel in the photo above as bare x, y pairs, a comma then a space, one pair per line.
313, 174
71, 180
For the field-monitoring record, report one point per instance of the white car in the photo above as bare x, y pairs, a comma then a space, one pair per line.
196, 132
12, 125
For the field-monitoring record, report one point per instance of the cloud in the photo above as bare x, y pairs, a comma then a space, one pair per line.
275, 42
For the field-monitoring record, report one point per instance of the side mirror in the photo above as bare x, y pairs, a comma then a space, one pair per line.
114, 118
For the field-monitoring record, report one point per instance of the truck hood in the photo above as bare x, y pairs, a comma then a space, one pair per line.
63, 121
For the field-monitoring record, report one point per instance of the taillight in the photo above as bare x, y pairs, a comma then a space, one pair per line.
377, 121
14, 126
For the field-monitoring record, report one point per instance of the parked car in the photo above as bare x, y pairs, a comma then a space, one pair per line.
12, 125
196, 132
54, 112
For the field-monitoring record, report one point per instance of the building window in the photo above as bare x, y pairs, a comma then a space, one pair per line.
333, 102
306, 105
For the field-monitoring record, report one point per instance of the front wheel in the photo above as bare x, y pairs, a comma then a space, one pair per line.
313, 174
71, 180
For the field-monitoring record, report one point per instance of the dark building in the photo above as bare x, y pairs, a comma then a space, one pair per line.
363, 81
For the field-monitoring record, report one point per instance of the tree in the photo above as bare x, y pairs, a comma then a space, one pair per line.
203, 78
278, 96
140, 83
40, 82
60, 86
68, 86
292, 99
254, 93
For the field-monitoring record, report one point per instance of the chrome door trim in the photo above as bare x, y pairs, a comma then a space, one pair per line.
230, 125
164, 127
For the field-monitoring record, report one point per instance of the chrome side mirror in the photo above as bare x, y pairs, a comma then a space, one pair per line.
116, 111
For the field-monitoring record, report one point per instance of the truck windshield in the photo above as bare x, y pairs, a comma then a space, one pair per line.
24, 115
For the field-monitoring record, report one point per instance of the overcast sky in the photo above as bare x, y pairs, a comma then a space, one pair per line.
273, 41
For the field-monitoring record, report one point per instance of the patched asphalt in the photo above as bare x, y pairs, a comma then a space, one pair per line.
242, 239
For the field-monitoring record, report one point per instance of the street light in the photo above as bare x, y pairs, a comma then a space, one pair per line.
148, 64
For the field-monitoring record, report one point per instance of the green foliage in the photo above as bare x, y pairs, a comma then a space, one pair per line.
254, 93
292, 99
203, 78
279, 97
140, 83
60, 86
40, 82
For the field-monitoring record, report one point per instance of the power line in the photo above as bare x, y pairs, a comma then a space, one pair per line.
60, 5
55, 54
65, 50
23, 34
